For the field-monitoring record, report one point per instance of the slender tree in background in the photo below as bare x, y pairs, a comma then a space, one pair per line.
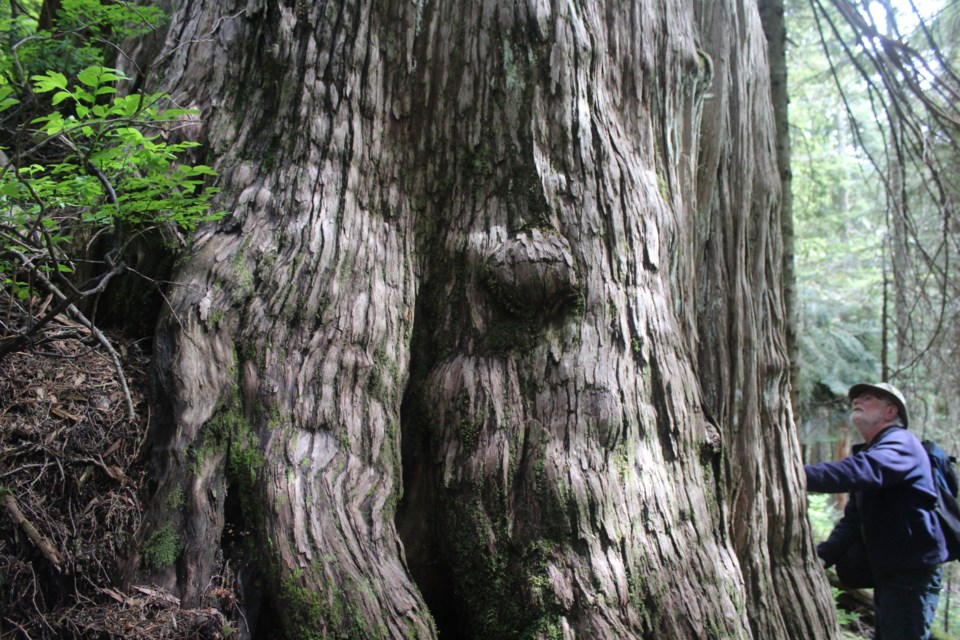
839, 225
772, 14
493, 338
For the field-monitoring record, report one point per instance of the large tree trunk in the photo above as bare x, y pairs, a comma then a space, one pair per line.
518, 264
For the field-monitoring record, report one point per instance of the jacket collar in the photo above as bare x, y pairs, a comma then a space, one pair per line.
857, 448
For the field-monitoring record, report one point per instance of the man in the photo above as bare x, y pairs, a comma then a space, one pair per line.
890, 511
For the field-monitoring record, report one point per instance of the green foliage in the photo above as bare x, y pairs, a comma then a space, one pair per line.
822, 514
873, 196
844, 617
112, 168
114, 146
82, 160
840, 229
83, 29
838, 348
162, 548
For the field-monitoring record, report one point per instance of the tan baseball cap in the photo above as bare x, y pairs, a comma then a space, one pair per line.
885, 389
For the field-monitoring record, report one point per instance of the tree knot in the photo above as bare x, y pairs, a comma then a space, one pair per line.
532, 274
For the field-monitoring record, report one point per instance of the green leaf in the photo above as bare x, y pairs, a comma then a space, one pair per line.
60, 96
95, 76
10, 188
80, 94
54, 123
49, 82
176, 113
127, 105
5, 100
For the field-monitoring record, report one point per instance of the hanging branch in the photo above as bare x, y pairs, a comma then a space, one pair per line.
914, 97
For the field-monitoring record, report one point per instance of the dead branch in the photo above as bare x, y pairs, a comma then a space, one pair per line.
35, 536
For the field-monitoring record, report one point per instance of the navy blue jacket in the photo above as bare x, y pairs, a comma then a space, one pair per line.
891, 503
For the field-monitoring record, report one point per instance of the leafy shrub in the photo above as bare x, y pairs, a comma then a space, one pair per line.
83, 31
822, 514
80, 160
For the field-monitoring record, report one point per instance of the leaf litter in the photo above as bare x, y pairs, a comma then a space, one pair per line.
71, 481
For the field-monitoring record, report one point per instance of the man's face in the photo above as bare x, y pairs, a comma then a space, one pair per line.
871, 410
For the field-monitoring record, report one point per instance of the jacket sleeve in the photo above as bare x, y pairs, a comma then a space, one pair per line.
845, 533
884, 464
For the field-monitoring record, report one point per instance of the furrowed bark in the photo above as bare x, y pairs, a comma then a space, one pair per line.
516, 262
742, 354
283, 356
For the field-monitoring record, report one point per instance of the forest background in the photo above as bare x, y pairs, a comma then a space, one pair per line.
877, 287
873, 191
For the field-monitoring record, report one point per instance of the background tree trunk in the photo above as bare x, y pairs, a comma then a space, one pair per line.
774, 28
536, 247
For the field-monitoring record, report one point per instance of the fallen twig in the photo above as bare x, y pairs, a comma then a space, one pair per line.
35, 536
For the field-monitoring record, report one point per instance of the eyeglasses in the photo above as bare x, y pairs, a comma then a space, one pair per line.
869, 396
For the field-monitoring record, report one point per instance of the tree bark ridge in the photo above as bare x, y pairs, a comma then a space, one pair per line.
538, 242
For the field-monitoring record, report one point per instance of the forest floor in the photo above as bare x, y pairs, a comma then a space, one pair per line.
71, 483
